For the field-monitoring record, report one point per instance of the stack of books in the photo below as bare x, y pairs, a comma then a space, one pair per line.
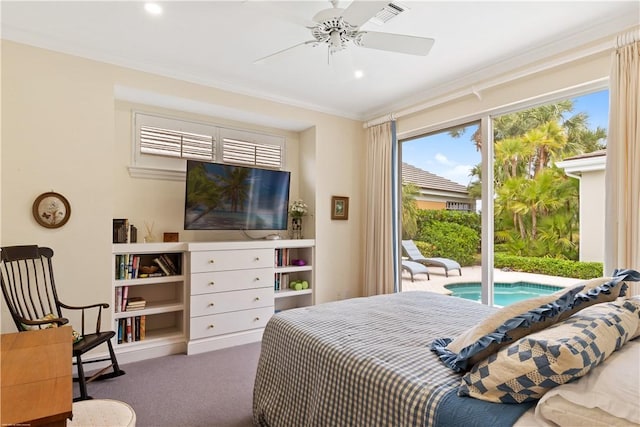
167, 265
135, 303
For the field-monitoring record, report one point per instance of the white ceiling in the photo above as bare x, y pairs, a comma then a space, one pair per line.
216, 43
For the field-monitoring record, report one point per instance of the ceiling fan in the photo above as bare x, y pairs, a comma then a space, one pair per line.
336, 27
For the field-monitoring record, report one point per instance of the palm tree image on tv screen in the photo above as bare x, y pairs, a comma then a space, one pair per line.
226, 197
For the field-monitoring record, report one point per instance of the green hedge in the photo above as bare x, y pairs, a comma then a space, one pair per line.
550, 266
449, 240
468, 219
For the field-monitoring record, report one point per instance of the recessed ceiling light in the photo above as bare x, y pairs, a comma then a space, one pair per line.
153, 8
358, 74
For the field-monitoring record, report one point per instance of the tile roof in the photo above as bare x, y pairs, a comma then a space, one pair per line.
427, 180
597, 153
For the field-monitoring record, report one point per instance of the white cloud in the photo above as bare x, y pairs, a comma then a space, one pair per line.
459, 174
442, 159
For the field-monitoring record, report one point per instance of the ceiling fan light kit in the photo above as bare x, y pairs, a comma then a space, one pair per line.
336, 27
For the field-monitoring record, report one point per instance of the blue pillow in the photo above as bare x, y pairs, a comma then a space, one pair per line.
502, 327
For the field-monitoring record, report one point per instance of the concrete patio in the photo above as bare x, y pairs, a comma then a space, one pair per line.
473, 274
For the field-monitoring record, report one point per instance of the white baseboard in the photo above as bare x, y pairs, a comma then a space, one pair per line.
230, 340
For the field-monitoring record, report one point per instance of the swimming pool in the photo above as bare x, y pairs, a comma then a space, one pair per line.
503, 293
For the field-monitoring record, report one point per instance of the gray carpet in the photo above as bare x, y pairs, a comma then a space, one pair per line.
208, 389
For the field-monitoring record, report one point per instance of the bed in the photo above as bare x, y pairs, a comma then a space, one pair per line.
328, 365
368, 362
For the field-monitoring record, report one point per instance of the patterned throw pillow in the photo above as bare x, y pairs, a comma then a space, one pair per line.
49, 316
75, 334
502, 327
527, 369
525, 317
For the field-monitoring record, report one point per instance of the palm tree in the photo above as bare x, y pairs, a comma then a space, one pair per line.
541, 196
235, 187
547, 140
202, 191
409, 210
509, 200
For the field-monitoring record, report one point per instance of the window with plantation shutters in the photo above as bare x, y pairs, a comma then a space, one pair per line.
251, 149
163, 144
175, 143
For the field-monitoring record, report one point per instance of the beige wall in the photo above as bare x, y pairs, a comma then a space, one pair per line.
63, 130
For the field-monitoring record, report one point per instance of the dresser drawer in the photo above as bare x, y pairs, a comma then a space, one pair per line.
225, 323
223, 302
232, 280
236, 259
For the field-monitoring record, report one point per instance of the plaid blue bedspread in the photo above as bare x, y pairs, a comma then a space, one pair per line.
366, 362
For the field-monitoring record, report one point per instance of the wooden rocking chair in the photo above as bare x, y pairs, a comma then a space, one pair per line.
28, 286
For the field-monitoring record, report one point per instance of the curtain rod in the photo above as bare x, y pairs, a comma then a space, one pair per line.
627, 38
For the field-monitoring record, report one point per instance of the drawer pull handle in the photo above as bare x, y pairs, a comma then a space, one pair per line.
257, 299
257, 279
212, 283
211, 261
257, 258
256, 319
211, 304
210, 327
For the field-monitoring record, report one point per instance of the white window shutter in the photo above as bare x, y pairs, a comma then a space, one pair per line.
174, 143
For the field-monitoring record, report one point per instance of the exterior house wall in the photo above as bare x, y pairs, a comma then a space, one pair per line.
428, 204
592, 210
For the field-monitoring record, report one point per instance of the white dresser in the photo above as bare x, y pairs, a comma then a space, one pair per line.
231, 291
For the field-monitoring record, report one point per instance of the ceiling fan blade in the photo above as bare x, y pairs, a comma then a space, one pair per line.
400, 43
264, 58
360, 12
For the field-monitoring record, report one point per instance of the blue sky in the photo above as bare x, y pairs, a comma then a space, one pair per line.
452, 158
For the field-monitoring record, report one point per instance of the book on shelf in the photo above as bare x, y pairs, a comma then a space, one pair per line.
136, 333
118, 303
143, 327
132, 329
135, 303
125, 296
129, 330
120, 331
163, 266
120, 230
170, 264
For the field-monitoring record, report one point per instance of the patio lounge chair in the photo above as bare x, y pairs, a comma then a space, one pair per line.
414, 254
415, 268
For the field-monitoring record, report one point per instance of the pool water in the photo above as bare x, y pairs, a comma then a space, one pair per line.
503, 293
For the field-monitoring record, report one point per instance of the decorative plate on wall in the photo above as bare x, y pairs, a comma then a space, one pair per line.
51, 210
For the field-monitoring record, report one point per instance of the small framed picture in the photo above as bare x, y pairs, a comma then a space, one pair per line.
339, 207
51, 210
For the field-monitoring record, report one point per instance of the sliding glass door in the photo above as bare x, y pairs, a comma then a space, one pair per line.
507, 193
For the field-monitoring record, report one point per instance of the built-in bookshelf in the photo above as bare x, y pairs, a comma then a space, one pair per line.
149, 286
192, 297
294, 280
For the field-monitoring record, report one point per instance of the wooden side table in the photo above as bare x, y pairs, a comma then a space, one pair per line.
37, 386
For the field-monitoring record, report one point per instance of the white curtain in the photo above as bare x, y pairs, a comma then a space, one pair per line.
622, 181
378, 237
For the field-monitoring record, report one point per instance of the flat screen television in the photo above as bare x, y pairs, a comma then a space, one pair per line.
226, 197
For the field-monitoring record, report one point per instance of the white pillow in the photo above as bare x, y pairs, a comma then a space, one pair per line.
607, 396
